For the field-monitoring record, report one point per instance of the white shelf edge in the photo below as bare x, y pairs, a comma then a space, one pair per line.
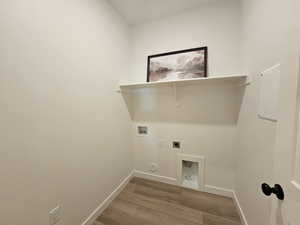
232, 78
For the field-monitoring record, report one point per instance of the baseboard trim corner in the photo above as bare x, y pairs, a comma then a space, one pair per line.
240, 209
97, 212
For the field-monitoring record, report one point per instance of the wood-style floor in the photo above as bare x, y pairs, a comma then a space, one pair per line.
145, 202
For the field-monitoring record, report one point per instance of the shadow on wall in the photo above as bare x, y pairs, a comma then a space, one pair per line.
202, 104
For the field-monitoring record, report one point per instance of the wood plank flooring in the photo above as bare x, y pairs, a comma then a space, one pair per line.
145, 202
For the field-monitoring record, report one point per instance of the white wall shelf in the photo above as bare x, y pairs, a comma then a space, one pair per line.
231, 80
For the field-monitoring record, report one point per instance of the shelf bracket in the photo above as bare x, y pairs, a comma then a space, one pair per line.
247, 82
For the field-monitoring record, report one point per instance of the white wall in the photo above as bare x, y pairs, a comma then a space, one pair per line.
215, 25
205, 121
265, 28
61, 141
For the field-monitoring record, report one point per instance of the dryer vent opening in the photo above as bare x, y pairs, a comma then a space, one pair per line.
190, 174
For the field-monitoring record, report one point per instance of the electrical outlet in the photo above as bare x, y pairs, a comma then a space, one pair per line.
176, 144
55, 215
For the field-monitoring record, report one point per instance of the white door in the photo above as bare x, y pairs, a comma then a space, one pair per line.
287, 153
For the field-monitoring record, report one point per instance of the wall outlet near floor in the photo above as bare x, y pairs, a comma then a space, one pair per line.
153, 167
55, 215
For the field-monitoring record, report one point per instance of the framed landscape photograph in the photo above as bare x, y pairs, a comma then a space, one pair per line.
178, 65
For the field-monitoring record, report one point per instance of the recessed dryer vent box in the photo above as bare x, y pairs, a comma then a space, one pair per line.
190, 172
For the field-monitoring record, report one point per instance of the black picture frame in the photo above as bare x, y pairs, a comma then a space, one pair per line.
205, 49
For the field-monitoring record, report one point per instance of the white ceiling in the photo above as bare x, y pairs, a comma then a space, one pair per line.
138, 11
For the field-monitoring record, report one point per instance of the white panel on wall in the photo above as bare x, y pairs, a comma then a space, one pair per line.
269, 93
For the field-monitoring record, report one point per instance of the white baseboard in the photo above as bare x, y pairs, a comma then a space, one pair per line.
97, 212
239, 208
170, 180
218, 191
149, 176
